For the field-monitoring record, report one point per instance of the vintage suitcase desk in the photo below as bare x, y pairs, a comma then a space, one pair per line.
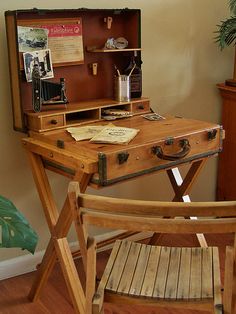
99, 165
159, 145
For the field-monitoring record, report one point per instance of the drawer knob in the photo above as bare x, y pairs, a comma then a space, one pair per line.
53, 121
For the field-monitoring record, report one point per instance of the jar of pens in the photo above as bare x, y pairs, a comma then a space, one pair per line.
122, 85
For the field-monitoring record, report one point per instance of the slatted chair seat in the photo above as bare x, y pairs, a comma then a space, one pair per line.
143, 274
161, 273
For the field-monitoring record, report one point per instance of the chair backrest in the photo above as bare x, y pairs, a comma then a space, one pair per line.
155, 216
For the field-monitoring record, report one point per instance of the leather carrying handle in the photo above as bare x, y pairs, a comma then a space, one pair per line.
184, 143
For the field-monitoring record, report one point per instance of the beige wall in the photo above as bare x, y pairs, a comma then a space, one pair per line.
181, 66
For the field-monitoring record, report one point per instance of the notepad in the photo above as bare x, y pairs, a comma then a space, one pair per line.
85, 132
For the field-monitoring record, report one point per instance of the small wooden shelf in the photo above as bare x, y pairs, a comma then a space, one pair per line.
113, 50
81, 112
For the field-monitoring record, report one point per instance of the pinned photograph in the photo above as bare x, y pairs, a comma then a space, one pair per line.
42, 58
31, 39
153, 116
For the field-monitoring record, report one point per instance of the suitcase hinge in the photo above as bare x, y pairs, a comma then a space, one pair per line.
169, 141
211, 134
102, 168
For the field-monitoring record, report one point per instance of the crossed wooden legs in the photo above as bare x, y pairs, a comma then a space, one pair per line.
59, 225
182, 188
58, 246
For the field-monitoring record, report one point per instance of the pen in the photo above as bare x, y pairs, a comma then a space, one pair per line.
117, 70
131, 70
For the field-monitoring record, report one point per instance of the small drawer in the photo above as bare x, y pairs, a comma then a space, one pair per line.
141, 106
52, 122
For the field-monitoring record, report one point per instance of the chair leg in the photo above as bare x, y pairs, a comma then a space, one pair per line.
90, 274
218, 310
228, 281
102, 311
234, 288
97, 305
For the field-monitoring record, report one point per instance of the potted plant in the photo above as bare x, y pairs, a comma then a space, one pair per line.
226, 35
15, 230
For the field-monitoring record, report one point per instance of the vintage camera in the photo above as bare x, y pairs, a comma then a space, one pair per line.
46, 94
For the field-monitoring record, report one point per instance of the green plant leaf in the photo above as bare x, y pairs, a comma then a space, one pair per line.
232, 6
15, 230
226, 33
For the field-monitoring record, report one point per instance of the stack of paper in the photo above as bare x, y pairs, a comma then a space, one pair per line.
85, 132
108, 134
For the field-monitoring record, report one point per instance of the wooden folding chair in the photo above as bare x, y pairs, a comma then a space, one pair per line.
178, 277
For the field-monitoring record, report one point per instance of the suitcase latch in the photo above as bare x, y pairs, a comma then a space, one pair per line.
122, 157
60, 144
211, 134
169, 141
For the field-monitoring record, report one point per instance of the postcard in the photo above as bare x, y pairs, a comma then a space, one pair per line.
86, 132
153, 116
31, 39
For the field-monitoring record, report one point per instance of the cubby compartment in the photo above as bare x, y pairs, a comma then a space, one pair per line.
110, 110
81, 116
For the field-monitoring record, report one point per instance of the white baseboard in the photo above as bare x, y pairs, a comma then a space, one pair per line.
27, 263
19, 265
